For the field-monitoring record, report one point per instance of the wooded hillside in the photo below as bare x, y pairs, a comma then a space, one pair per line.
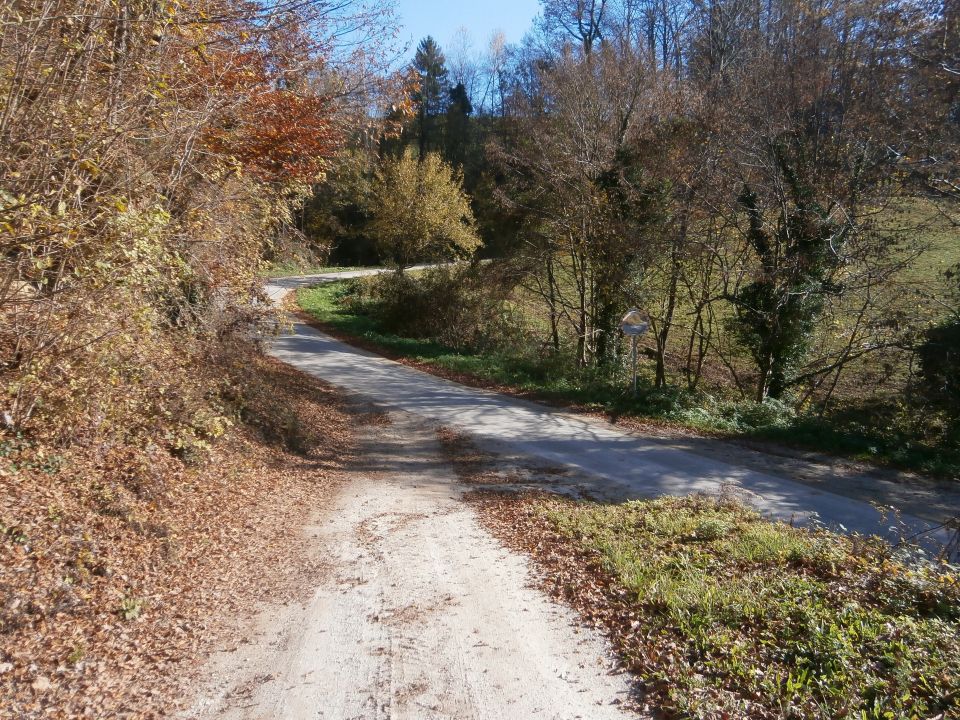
773, 184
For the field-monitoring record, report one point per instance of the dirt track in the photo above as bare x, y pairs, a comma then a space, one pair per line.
422, 615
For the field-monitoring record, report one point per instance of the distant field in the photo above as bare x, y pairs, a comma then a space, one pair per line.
926, 223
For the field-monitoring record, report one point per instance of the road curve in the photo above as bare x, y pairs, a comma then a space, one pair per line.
615, 465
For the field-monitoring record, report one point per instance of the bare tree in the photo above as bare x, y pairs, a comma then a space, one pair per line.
581, 20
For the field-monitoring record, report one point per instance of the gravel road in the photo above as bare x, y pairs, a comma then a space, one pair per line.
423, 615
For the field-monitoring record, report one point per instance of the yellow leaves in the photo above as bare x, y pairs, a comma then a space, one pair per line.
89, 166
421, 210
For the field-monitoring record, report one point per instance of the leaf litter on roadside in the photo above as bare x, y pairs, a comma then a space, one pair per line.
122, 569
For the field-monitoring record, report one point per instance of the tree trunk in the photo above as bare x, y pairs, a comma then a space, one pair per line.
552, 300
662, 336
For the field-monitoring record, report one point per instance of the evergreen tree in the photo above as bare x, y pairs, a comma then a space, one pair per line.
458, 125
430, 64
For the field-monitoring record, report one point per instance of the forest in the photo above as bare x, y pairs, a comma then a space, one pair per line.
772, 184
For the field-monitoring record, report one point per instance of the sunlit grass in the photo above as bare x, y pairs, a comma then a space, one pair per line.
740, 615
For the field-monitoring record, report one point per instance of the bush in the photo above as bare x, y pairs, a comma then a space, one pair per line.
462, 307
939, 357
768, 414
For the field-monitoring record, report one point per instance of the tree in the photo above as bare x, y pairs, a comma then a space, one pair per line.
939, 356
463, 62
582, 20
588, 209
430, 65
457, 139
421, 211
777, 312
148, 156
812, 171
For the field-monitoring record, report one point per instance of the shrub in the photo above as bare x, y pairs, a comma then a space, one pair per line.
462, 307
939, 357
769, 413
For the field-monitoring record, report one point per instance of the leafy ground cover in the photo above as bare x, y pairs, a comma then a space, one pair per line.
722, 614
873, 436
121, 566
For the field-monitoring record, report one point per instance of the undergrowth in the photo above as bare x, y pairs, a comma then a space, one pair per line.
732, 615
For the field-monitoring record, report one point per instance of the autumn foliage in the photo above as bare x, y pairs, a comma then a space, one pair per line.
149, 153
280, 136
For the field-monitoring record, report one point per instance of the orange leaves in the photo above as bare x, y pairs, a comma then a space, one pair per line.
275, 135
280, 136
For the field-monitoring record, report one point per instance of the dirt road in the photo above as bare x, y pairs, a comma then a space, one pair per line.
422, 616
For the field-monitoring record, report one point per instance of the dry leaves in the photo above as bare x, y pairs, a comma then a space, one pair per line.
121, 569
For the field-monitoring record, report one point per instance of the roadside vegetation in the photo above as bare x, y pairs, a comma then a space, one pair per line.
122, 565
798, 267
457, 322
722, 614
152, 158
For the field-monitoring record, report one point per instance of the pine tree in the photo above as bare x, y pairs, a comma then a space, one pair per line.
430, 64
458, 125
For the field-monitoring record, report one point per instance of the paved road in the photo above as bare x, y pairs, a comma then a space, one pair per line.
617, 465
278, 288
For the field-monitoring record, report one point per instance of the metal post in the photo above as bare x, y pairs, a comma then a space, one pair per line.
634, 324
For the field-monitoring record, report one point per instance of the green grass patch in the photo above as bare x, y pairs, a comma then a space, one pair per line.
737, 616
921, 219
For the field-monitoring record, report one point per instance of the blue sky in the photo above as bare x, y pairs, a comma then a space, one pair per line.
441, 19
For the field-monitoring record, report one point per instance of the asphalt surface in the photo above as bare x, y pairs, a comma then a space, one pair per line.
611, 464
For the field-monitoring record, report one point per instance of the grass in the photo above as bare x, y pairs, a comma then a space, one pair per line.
501, 368
922, 219
879, 440
736, 616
